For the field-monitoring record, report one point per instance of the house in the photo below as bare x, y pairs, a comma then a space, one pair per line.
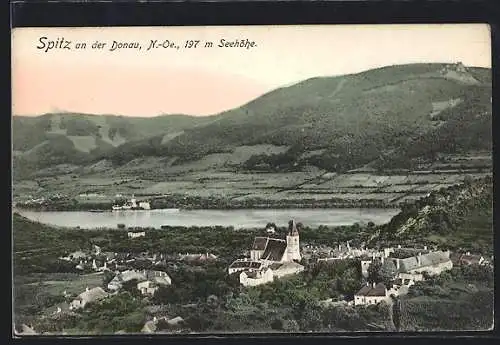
59, 308
254, 278
244, 265
199, 257
416, 277
175, 321
432, 263
147, 287
365, 263
371, 294
132, 234
117, 282
88, 296
77, 255
159, 277
152, 325
144, 205
155, 279
268, 274
468, 259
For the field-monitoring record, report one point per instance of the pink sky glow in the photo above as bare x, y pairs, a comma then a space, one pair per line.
209, 80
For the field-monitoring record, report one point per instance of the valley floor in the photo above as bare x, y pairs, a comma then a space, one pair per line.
219, 189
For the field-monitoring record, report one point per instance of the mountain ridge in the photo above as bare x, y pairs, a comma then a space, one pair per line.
357, 119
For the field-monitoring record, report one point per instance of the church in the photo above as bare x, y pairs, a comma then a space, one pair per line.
270, 258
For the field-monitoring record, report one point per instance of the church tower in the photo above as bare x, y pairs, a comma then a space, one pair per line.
292, 242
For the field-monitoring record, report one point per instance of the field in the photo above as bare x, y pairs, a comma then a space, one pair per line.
154, 177
41, 294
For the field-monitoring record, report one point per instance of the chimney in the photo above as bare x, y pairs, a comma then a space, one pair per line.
373, 285
399, 246
397, 264
367, 284
419, 259
87, 288
382, 258
425, 247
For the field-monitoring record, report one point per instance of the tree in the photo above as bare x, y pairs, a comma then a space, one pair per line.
107, 277
277, 324
387, 272
373, 272
131, 287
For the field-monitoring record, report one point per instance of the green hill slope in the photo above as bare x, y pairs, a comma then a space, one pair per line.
459, 217
356, 119
77, 138
391, 117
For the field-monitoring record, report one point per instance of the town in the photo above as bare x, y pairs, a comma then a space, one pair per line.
385, 273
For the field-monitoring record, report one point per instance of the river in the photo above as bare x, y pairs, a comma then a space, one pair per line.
236, 218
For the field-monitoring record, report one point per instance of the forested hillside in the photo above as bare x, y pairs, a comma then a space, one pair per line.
391, 117
458, 217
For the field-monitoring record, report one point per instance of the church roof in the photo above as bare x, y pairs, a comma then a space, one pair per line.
283, 266
293, 228
259, 243
246, 264
274, 250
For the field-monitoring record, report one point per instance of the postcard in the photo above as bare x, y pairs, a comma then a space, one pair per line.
329, 179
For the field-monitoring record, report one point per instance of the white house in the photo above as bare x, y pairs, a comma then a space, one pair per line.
144, 205
147, 287
132, 234
254, 278
432, 263
245, 265
89, 295
365, 263
159, 277
117, 282
371, 294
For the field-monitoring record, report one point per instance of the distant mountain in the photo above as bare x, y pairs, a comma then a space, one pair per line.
78, 138
391, 117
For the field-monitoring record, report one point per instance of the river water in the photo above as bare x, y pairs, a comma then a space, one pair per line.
236, 218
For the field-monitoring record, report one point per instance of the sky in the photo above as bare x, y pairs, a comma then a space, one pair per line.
204, 81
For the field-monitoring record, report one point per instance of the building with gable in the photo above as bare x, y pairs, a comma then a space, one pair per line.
371, 294
432, 263
270, 258
88, 296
